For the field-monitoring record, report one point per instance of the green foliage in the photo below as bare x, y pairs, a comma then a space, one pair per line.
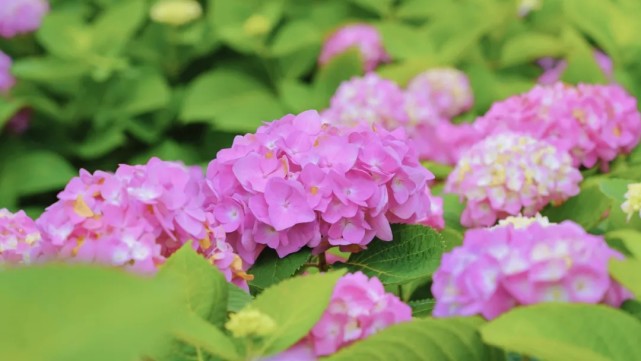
567, 332
423, 340
586, 209
270, 269
415, 253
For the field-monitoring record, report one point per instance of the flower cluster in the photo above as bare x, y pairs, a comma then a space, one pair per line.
21, 16
359, 307
298, 182
509, 173
448, 90
135, 218
370, 99
632, 203
602, 119
444, 142
6, 79
20, 239
524, 263
361, 36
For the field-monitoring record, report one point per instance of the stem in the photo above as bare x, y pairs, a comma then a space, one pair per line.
400, 292
322, 262
199, 354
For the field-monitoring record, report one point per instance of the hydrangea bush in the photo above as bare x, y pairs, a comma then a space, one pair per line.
433, 187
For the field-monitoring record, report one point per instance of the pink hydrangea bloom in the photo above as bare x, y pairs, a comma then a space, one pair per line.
361, 36
603, 120
444, 142
19, 238
6, 79
524, 263
553, 69
508, 173
359, 308
136, 218
300, 183
447, 89
369, 99
435, 219
21, 16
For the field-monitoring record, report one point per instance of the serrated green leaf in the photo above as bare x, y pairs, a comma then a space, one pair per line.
295, 305
44, 303
414, 253
196, 332
633, 308
422, 308
422, 340
587, 208
203, 286
238, 298
270, 269
628, 273
561, 332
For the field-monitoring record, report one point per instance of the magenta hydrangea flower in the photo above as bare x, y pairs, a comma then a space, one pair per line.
370, 99
603, 120
364, 37
359, 308
300, 183
20, 239
447, 89
21, 16
435, 219
444, 142
508, 173
7, 81
136, 218
524, 262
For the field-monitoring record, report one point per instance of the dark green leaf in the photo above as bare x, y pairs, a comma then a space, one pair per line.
270, 269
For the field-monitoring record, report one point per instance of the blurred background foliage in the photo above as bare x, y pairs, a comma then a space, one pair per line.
108, 85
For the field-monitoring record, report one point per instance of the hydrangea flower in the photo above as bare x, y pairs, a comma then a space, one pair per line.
136, 218
7, 80
632, 203
602, 119
508, 173
298, 182
444, 142
370, 99
21, 16
364, 37
524, 263
447, 89
359, 307
435, 219
20, 239
175, 12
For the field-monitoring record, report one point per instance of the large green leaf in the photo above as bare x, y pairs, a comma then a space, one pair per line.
587, 208
270, 269
414, 253
453, 339
194, 331
561, 332
530, 46
64, 313
628, 273
64, 34
49, 69
230, 100
331, 75
293, 36
238, 298
203, 286
422, 308
36, 171
295, 305
116, 25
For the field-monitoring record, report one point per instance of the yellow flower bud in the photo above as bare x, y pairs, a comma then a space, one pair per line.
257, 25
250, 322
632, 202
175, 12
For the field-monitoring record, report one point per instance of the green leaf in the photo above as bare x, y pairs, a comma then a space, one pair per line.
414, 253
230, 100
561, 332
270, 269
587, 208
614, 188
49, 69
99, 142
422, 340
64, 34
633, 308
526, 47
73, 310
422, 308
203, 286
404, 41
144, 93
196, 332
582, 67
628, 273
295, 35
117, 24
440, 171
238, 298
595, 20
631, 240
339, 69
36, 171
295, 305
8, 109
380, 7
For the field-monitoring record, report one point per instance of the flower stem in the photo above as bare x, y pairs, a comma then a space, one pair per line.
322, 262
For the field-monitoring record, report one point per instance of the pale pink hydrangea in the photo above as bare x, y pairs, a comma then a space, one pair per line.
364, 37
7, 81
435, 219
135, 219
508, 173
444, 142
21, 16
594, 123
359, 308
370, 99
447, 89
300, 183
524, 263
20, 239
